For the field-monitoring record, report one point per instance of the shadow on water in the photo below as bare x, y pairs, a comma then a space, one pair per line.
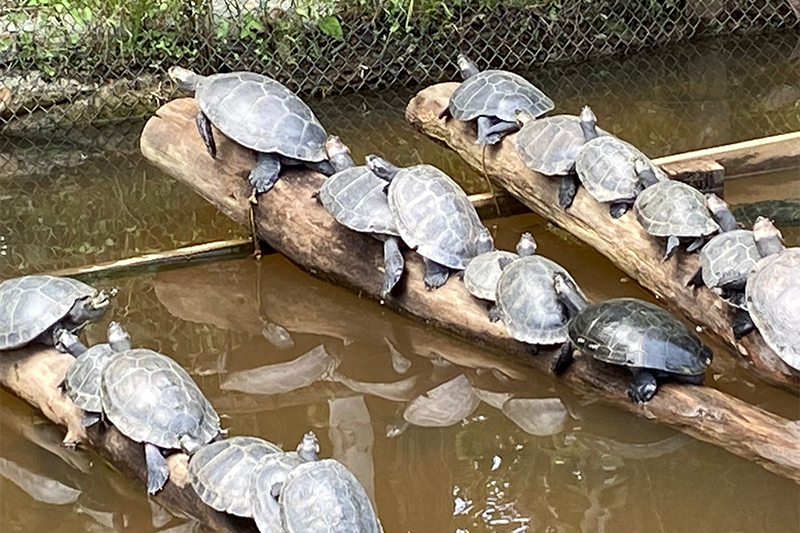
280, 353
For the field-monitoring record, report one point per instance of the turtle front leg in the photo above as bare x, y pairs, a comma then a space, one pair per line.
697, 279
204, 127
565, 358
494, 313
265, 173
696, 244
644, 386
157, 468
742, 323
435, 274
393, 264
90, 419
323, 167
673, 243
567, 189
617, 209
491, 133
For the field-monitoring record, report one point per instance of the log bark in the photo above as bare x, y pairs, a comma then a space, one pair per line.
623, 241
290, 221
34, 374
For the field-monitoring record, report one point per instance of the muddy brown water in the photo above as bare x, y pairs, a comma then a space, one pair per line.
556, 462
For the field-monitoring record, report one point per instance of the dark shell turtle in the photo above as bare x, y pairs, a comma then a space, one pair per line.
632, 333
356, 198
259, 113
151, 399
527, 301
773, 293
268, 479
434, 216
325, 497
673, 210
38, 307
221, 472
483, 272
493, 97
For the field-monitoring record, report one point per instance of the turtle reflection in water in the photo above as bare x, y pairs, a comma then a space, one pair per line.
444, 405
633, 333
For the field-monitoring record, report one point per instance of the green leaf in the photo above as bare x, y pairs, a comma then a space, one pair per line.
330, 26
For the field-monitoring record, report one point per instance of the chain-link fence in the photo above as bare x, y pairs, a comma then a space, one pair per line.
70, 61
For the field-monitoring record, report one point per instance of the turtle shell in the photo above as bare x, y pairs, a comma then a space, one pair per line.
221, 472
150, 398
673, 208
434, 216
482, 273
271, 470
261, 114
635, 333
728, 258
31, 305
773, 299
551, 145
325, 497
356, 198
605, 166
444, 405
499, 94
83, 378
527, 301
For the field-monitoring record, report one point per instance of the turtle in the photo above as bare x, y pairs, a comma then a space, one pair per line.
725, 261
82, 381
672, 210
493, 97
267, 479
551, 145
527, 301
325, 497
773, 293
37, 308
221, 472
482, 273
629, 332
356, 198
434, 216
152, 400
606, 167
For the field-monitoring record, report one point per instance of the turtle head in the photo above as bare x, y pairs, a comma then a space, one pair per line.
568, 293
309, 447
118, 338
721, 212
185, 78
588, 123
467, 67
90, 308
338, 154
526, 246
485, 242
522, 117
644, 173
381, 167
768, 237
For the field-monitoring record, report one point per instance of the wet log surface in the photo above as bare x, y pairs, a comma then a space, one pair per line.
290, 221
623, 241
34, 374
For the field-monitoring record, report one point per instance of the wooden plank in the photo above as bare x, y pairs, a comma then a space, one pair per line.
623, 241
292, 223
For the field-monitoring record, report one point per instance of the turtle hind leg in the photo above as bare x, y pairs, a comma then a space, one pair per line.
696, 244
617, 209
644, 386
567, 189
697, 279
90, 419
673, 243
494, 313
689, 380
742, 323
323, 167
204, 127
157, 468
566, 356
491, 133
265, 173
393, 264
435, 274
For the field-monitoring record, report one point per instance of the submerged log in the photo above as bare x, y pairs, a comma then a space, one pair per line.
623, 241
34, 374
290, 221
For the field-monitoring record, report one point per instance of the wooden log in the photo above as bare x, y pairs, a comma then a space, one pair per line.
34, 374
623, 241
294, 224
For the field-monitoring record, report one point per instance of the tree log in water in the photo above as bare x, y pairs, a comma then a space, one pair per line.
34, 374
290, 221
623, 241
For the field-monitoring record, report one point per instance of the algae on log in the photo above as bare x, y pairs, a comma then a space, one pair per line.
623, 241
290, 221
34, 374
